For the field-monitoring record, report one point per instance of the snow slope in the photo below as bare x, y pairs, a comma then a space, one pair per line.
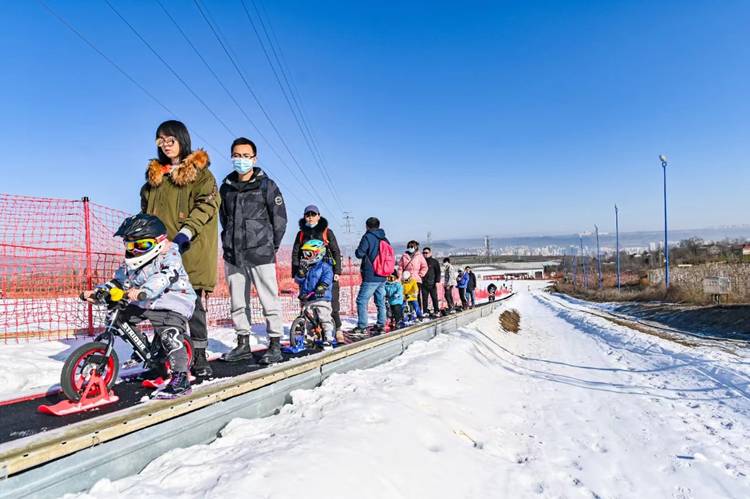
569, 407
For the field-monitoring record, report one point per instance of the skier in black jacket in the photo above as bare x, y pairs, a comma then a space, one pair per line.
429, 283
471, 287
253, 221
314, 226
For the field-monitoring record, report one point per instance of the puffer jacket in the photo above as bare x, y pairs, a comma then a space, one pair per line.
253, 219
367, 251
463, 280
411, 289
432, 276
394, 293
186, 200
308, 233
415, 264
449, 275
320, 273
165, 282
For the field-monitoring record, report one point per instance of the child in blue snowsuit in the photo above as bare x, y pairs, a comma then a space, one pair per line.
394, 294
315, 281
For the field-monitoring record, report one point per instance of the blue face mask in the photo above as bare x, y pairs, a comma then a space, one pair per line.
311, 225
242, 165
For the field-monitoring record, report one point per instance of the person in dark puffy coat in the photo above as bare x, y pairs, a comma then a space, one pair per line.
429, 284
253, 219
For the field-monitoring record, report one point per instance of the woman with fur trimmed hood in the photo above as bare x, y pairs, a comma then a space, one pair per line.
182, 192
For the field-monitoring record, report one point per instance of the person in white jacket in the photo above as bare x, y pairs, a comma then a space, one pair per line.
449, 281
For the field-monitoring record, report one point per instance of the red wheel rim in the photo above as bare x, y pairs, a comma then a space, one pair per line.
79, 378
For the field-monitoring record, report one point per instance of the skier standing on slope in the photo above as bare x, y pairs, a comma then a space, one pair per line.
253, 220
181, 191
313, 226
369, 249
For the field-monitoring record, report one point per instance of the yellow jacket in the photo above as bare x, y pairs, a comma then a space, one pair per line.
410, 289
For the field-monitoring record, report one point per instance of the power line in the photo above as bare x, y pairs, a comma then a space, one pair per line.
171, 70
295, 110
119, 68
231, 96
260, 105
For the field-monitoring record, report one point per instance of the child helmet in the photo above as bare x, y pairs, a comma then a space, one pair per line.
144, 237
313, 251
406, 275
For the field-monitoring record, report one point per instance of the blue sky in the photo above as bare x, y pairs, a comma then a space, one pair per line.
460, 119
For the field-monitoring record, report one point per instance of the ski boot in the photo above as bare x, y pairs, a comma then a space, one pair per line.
241, 352
273, 354
200, 366
178, 386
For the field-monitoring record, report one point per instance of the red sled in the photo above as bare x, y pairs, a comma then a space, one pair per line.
95, 395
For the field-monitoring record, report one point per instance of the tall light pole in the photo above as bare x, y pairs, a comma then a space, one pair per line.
583, 264
598, 256
575, 268
617, 244
663, 160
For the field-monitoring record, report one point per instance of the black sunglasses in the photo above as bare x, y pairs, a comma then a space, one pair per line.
310, 214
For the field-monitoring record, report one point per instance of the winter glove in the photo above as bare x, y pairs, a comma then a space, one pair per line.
320, 290
182, 241
301, 272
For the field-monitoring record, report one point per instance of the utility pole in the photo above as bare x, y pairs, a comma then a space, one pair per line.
617, 244
583, 263
348, 230
598, 256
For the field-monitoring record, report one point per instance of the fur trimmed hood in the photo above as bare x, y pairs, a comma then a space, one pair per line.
184, 174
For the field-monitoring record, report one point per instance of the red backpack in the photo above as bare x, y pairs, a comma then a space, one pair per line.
385, 262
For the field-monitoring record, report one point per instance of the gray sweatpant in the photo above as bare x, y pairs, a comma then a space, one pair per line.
240, 280
324, 309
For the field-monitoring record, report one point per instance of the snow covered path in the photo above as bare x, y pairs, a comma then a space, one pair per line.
572, 406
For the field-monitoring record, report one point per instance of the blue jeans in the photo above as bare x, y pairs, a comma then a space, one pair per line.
470, 297
366, 291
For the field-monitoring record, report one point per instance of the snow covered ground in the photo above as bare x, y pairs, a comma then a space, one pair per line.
571, 406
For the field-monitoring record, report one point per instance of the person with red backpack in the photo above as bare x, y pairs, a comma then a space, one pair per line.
313, 226
378, 262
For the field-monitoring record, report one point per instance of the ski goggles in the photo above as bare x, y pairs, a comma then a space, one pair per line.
309, 254
141, 245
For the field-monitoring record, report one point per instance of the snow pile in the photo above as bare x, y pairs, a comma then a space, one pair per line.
568, 407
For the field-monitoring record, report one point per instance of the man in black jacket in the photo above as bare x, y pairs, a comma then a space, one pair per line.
314, 226
253, 220
471, 287
429, 283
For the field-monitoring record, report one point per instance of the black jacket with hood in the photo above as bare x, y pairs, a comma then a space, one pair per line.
253, 219
309, 233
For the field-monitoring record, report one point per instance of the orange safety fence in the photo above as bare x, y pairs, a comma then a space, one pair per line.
52, 249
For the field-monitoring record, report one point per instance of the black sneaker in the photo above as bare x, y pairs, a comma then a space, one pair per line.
378, 330
273, 354
359, 332
178, 386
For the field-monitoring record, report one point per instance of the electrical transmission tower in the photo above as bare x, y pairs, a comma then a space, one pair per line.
487, 248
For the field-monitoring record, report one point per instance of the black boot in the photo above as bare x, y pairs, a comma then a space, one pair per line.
201, 367
273, 354
241, 352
